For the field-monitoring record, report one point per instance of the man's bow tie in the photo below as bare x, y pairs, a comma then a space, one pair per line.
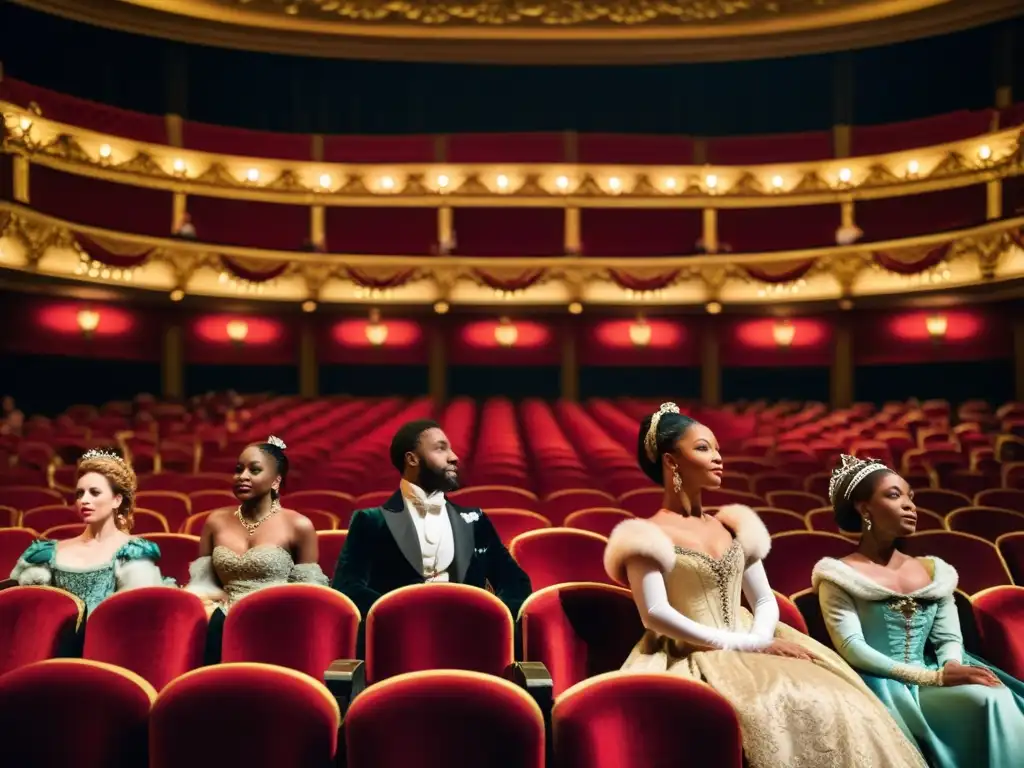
427, 507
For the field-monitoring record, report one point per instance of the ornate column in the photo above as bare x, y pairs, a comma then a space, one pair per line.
570, 364
571, 242
20, 172
309, 364
710, 366
841, 382
179, 201
709, 230
437, 366
172, 367
317, 226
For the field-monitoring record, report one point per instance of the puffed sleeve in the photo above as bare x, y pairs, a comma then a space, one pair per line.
136, 565
33, 567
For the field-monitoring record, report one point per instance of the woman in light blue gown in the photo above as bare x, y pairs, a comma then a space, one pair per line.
893, 618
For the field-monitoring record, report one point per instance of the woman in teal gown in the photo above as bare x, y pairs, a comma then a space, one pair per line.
104, 558
894, 619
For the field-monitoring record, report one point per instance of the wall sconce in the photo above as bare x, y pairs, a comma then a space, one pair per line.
640, 332
237, 331
937, 326
88, 321
376, 331
783, 332
505, 333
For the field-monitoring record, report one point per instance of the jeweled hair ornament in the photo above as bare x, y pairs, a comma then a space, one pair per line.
651, 438
98, 453
277, 442
856, 470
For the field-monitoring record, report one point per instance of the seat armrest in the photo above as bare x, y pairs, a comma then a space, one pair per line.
345, 679
534, 678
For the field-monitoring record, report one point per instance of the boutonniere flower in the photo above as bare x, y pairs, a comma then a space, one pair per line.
470, 517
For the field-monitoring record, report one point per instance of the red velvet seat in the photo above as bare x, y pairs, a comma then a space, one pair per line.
560, 504
999, 612
157, 632
976, 560
940, 500
781, 520
172, 505
9, 517
147, 521
13, 543
193, 524
335, 502
600, 520
579, 630
800, 502
329, 546
368, 500
26, 497
177, 551
207, 501
806, 601
789, 614
794, 554
37, 623
486, 722
766, 482
437, 626
49, 516
303, 627
509, 523
67, 531
1004, 498
642, 719
718, 497
285, 719
987, 522
496, 497
70, 712
642, 502
560, 556
321, 519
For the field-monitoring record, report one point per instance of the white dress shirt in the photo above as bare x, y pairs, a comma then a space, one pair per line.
433, 529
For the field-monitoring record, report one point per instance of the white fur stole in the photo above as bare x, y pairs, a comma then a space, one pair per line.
747, 527
202, 581
637, 538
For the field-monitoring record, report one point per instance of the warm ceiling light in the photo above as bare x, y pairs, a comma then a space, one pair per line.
713, 307
846, 304
783, 332
387, 183
575, 308
376, 331
984, 152
711, 181
325, 180
505, 333
845, 174
913, 167
179, 166
502, 181
562, 182
670, 182
937, 325
309, 306
442, 181
105, 151
777, 182
640, 332
237, 330
25, 124
177, 294
88, 320
614, 184
441, 307
252, 175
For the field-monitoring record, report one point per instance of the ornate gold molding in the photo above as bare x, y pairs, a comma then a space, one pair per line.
32, 242
110, 158
514, 31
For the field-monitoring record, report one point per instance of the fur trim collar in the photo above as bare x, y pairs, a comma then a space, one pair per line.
747, 527
637, 538
847, 578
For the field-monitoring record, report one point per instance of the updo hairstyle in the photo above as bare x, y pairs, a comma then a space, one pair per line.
122, 481
671, 427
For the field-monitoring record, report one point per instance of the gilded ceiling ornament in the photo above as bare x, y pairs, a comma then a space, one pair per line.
951, 164
879, 175
219, 176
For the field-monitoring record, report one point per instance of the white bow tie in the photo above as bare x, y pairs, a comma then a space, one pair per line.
427, 507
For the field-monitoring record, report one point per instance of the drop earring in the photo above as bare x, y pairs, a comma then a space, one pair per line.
677, 481
867, 523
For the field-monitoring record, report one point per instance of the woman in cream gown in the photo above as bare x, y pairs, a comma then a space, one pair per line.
799, 704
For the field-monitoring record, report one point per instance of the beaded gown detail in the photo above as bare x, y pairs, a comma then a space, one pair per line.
793, 713
897, 642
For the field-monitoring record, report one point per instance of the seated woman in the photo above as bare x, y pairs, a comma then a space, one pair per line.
894, 619
259, 544
104, 558
799, 704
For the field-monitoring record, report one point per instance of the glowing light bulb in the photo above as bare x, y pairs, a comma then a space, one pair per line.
502, 181
670, 183
252, 175
711, 181
387, 183
984, 152
325, 180
777, 182
614, 184
179, 166
845, 174
105, 151
913, 167
442, 181
562, 182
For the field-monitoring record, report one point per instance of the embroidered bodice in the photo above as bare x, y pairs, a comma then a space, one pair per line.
258, 567
91, 585
705, 589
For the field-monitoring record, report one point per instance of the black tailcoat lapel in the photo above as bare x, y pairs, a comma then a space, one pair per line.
462, 532
403, 531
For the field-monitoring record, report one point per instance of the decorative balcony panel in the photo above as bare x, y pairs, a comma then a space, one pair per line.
86, 114
410, 231
379, 149
639, 232
944, 211
756, 230
776, 148
941, 129
634, 150
506, 148
237, 141
509, 231
248, 223
99, 203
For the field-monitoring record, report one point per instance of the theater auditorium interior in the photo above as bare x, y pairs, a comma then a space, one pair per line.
802, 223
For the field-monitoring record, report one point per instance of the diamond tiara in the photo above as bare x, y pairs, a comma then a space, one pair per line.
277, 442
98, 453
651, 438
854, 468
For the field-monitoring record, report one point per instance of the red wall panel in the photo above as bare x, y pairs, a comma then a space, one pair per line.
270, 341
607, 343
973, 333
344, 340
473, 343
750, 342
